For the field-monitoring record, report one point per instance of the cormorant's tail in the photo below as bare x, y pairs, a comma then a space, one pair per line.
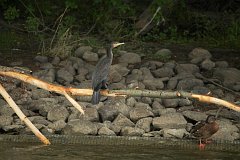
96, 97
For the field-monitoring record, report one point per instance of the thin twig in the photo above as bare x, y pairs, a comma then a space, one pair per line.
74, 103
60, 20
147, 24
225, 88
29, 10
93, 26
39, 10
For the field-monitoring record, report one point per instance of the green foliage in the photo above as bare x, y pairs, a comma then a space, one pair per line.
233, 36
11, 13
163, 58
32, 24
92, 41
72, 4
108, 17
112, 6
9, 40
176, 22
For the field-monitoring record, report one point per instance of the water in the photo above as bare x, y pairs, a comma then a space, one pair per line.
36, 151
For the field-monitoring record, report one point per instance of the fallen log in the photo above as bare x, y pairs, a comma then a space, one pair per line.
67, 91
114, 93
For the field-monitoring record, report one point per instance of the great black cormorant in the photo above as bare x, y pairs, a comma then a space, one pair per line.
100, 74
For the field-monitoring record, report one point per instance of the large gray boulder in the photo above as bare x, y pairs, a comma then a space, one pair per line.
163, 54
131, 101
120, 68
227, 131
6, 110
111, 110
90, 114
229, 76
122, 121
131, 131
163, 72
46, 75
79, 127
146, 73
170, 102
81, 50
46, 66
104, 131
58, 113
39, 120
130, 58
43, 105
172, 83
40, 93
152, 65
156, 106
174, 120
189, 68
174, 133
63, 76
90, 56
13, 128
5, 120
199, 53
207, 64
189, 83
57, 126
145, 124
140, 112
41, 59
135, 76
194, 115
114, 76
167, 111
153, 84
107, 112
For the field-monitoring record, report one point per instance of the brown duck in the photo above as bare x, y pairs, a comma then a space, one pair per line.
203, 130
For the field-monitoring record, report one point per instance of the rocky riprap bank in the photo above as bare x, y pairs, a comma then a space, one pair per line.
138, 116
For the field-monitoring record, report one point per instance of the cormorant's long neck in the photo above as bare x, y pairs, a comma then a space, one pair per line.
109, 52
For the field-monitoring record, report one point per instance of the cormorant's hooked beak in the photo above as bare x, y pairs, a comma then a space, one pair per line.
117, 44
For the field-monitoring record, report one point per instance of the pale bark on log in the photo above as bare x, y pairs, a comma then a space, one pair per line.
23, 118
114, 93
5, 71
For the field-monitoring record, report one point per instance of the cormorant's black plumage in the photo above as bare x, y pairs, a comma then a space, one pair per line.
100, 74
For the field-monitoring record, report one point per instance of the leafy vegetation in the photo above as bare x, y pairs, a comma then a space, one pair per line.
57, 24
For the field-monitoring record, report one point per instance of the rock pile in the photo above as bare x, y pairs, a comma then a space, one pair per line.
141, 116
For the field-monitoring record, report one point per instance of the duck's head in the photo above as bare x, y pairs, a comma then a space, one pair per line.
210, 119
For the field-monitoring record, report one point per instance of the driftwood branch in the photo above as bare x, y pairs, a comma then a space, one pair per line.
67, 91
14, 73
114, 93
23, 118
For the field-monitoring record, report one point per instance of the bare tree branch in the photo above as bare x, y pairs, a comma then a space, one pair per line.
23, 118
114, 93
148, 23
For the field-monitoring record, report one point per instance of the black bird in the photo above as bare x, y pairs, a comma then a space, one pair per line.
203, 130
100, 74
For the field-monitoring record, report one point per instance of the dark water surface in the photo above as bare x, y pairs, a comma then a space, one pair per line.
36, 151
